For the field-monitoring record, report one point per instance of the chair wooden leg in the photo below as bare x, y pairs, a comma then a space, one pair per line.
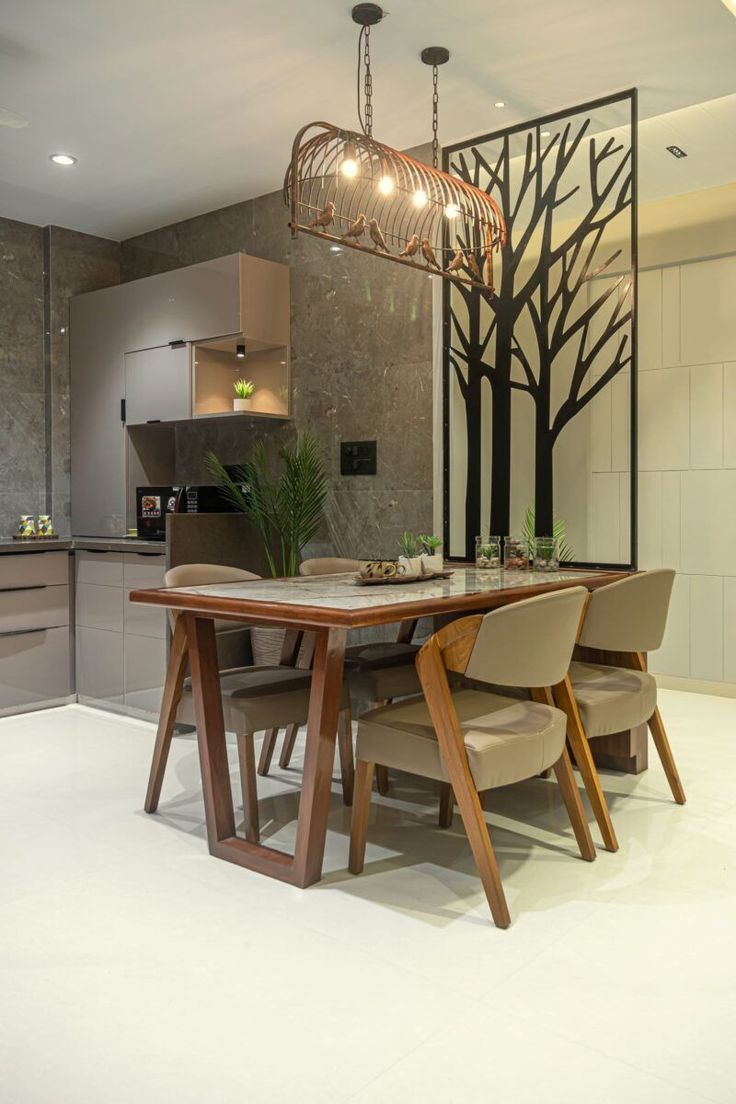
565, 700
447, 805
382, 783
361, 811
287, 748
267, 747
175, 675
248, 786
573, 804
347, 762
664, 750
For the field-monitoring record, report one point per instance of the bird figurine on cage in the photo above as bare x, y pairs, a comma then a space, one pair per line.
375, 232
475, 271
428, 253
411, 246
357, 229
325, 217
457, 261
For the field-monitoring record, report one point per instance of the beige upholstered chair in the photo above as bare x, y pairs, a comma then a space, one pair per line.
609, 690
255, 699
376, 673
475, 739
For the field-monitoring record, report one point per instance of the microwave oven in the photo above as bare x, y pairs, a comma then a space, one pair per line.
152, 504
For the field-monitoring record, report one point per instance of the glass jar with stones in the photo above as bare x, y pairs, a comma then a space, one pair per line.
487, 553
546, 556
515, 554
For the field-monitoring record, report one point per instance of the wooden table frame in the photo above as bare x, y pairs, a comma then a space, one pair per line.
329, 626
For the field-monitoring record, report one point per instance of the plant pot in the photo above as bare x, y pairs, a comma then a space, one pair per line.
433, 563
241, 404
412, 564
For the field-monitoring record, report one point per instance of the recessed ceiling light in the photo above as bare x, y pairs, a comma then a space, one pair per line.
62, 159
545, 133
676, 151
335, 249
499, 103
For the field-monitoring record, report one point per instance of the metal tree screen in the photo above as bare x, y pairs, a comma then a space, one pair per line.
539, 374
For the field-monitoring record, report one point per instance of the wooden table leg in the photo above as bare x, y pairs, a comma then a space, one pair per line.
319, 756
175, 674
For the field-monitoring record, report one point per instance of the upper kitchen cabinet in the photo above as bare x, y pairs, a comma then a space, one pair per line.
157, 387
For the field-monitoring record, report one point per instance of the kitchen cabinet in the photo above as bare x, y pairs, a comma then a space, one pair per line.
157, 385
121, 652
124, 371
35, 653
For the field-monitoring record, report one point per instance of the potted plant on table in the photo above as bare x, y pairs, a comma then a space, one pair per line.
410, 558
243, 394
430, 555
287, 511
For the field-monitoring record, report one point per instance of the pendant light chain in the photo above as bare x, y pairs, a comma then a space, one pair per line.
435, 112
368, 82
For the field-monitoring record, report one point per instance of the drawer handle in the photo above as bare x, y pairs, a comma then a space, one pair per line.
12, 590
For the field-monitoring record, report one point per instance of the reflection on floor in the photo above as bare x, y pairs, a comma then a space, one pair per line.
136, 968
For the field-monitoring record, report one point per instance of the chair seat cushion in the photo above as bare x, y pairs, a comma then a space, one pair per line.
506, 740
612, 699
380, 671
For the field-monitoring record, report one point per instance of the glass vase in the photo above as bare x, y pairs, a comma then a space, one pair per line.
487, 553
546, 555
515, 554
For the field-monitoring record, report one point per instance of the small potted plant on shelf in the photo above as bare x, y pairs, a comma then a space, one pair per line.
243, 391
410, 557
431, 556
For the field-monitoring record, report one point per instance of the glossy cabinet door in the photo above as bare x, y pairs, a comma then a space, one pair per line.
186, 304
97, 339
157, 385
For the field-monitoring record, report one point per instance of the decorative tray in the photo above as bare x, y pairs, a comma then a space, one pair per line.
426, 577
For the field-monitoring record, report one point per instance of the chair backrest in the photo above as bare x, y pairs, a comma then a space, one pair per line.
202, 574
528, 643
328, 565
629, 615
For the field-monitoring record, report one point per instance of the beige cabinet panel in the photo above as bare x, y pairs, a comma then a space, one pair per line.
143, 620
672, 519
650, 319
157, 385
708, 294
100, 607
729, 630
43, 607
102, 568
671, 317
706, 627
605, 518
145, 672
664, 419
100, 665
186, 304
34, 569
143, 569
706, 416
709, 522
650, 520
729, 415
34, 668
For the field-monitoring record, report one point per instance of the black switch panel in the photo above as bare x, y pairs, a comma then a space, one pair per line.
357, 458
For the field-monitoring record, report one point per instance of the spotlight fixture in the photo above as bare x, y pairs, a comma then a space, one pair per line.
676, 151
62, 159
499, 103
240, 351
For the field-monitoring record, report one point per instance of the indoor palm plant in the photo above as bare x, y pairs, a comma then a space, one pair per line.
561, 550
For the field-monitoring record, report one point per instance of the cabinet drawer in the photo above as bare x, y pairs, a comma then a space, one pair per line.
34, 667
34, 569
42, 607
143, 620
100, 607
102, 568
100, 665
140, 570
145, 672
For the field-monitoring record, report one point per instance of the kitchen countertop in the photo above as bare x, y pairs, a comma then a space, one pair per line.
84, 544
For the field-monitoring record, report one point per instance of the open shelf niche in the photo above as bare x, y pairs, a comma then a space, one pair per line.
216, 366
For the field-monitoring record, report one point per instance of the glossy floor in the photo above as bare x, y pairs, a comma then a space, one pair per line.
135, 968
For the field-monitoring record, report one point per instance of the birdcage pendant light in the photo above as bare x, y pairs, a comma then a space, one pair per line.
349, 189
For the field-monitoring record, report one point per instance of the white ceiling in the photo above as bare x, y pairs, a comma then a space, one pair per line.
175, 107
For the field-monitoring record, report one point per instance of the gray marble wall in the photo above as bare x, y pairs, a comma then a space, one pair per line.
361, 333
39, 270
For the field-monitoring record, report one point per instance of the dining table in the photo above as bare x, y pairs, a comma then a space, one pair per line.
327, 607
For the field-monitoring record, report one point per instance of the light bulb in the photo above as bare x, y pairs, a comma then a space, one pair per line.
349, 167
385, 185
452, 210
420, 198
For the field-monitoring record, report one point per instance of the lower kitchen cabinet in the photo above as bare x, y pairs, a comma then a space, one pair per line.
121, 647
35, 653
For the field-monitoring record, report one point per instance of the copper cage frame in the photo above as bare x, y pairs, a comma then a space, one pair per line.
314, 179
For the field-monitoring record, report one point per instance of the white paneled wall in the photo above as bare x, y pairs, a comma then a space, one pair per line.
687, 459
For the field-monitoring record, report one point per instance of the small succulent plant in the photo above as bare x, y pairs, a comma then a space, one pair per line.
429, 545
243, 388
409, 545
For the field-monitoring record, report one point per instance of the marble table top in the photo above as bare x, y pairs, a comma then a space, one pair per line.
340, 599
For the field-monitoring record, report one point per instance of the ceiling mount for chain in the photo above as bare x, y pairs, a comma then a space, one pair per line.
367, 15
435, 56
